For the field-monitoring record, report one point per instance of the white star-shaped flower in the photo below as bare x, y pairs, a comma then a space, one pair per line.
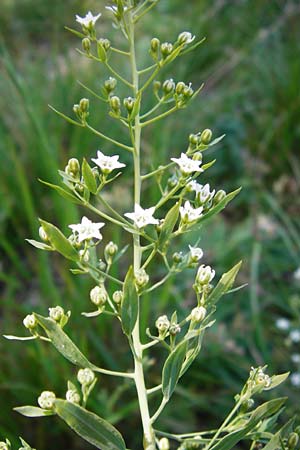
142, 217
190, 214
87, 229
203, 193
196, 253
88, 20
107, 163
187, 165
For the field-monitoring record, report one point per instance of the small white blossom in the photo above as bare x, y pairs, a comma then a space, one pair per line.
282, 323
187, 165
185, 37
46, 400
107, 163
205, 274
295, 336
87, 229
142, 217
203, 193
297, 274
188, 213
295, 358
196, 253
295, 379
88, 20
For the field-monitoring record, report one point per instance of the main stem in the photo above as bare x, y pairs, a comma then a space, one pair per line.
149, 437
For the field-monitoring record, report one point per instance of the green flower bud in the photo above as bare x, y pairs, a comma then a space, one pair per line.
110, 84
180, 87
197, 156
73, 396
293, 440
141, 278
98, 295
154, 45
84, 104
129, 103
118, 297
177, 257
247, 404
56, 313
168, 86
188, 91
85, 376
166, 49
105, 43
206, 136
43, 235
115, 104
86, 45
46, 400
198, 314
76, 109
30, 322
174, 329
156, 86
164, 444
162, 324
204, 275
219, 196
111, 249
74, 166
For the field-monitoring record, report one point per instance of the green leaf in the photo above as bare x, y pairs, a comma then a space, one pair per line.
68, 119
276, 380
130, 303
221, 205
63, 343
172, 368
77, 33
33, 411
62, 192
168, 225
89, 426
39, 245
275, 441
89, 177
59, 241
224, 284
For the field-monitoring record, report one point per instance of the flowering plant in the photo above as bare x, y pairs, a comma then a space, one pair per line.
184, 205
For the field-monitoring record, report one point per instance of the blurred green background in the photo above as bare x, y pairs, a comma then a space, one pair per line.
250, 64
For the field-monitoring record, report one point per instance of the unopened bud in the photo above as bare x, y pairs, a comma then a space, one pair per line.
46, 400
177, 257
198, 314
30, 321
110, 84
206, 136
154, 45
194, 139
98, 295
197, 156
85, 376
168, 86
219, 196
164, 444
118, 297
72, 396
188, 91
180, 87
43, 235
162, 324
105, 43
166, 49
141, 278
129, 103
84, 105
204, 275
174, 329
293, 440
56, 313
76, 109
74, 166
185, 38
111, 248
156, 86
115, 104
86, 44
84, 255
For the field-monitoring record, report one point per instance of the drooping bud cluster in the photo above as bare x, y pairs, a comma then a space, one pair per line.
46, 400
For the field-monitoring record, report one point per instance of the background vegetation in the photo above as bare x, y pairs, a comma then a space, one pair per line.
251, 68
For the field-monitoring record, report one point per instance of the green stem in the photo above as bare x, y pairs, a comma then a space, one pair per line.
113, 373
117, 75
107, 138
161, 116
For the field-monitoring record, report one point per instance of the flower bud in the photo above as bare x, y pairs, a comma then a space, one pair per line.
174, 329
177, 257
180, 87
197, 156
76, 109
164, 444
159, 226
219, 196
115, 104
46, 400
141, 278
74, 166
86, 45
43, 235
84, 255
30, 322
166, 49
168, 86
56, 313
162, 324
172, 181
85, 376
129, 103
72, 396
188, 91
185, 38
110, 250
293, 440
98, 295
105, 43
154, 45
206, 136
156, 86
110, 84
204, 275
118, 297
194, 139
84, 104
198, 314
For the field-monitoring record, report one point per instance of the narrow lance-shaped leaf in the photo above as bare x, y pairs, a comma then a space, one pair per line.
89, 426
39, 245
63, 343
62, 192
224, 284
221, 205
33, 411
89, 177
172, 368
168, 225
130, 306
59, 241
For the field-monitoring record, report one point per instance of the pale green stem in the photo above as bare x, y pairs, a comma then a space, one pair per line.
107, 138
154, 389
156, 171
149, 437
117, 50
159, 410
102, 214
117, 75
161, 116
113, 373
